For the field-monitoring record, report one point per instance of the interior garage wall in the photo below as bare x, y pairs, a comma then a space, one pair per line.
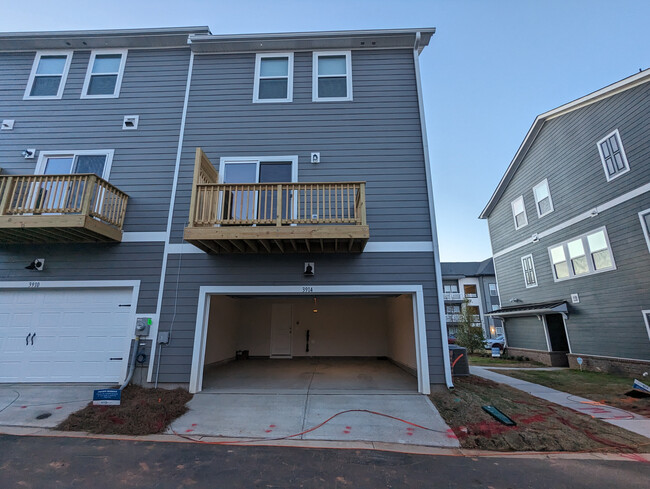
223, 322
401, 333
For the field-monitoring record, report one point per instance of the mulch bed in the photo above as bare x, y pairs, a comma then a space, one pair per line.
142, 412
541, 425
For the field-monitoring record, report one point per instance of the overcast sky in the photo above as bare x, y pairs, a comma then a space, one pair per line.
492, 66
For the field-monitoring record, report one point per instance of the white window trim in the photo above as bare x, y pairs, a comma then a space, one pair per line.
646, 231
532, 262
64, 75
646, 319
543, 183
44, 155
314, 76
120, 74
567, 257
256, 85
602, 157
514, 216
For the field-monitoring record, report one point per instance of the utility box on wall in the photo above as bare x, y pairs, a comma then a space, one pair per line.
142, 326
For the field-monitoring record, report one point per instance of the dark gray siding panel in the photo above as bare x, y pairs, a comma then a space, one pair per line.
374, 138
526, 332
607, 321
181, 292
132, 261
565, 152
143, 166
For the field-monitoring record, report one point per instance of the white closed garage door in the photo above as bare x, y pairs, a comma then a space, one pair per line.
64, 335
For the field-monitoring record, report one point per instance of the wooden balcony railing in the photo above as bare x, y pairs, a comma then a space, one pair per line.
275, 217
60, 208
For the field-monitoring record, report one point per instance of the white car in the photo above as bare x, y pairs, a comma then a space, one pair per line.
498, 342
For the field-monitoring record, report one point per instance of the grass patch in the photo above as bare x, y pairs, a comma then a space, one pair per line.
541, 425
142, 412
597, 386
488, 361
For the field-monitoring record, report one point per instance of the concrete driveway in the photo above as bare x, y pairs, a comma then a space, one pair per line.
271, 399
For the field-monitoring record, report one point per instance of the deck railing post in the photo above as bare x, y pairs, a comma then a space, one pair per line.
362, 203
89, 190
5, 198
278, 219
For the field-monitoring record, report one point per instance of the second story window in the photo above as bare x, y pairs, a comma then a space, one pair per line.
519, 212
493, 290
543, 202
451, 288
645, 225
528, 266
613, 156
470, 290
49, 72
273, 77
331, 76
583, 255
104, 75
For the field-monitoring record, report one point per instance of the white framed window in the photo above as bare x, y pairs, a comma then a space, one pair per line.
543, 201
451, 288
583, 255
613, 156
528, 266
80, 161
519, 212
493, 290
48, 75
273, 77
646, 318
470, 290
331, 76
104, 73
496, 307
644, 216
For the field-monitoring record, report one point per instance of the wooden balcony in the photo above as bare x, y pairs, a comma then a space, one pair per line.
80, 208
287, 217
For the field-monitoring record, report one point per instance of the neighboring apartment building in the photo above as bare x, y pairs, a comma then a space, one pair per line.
476, 283
569, 229
261, 193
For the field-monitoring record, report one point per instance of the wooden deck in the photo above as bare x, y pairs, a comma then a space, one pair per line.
60, 209
287, 217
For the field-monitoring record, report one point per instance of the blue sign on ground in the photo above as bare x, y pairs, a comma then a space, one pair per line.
496, 351
107, 397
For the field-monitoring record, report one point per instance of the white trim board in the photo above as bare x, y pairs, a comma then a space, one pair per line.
203, 308
646, 231
46, 153
143, 237
87, 284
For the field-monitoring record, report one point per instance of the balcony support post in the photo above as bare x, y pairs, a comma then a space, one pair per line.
278, 219
6, 196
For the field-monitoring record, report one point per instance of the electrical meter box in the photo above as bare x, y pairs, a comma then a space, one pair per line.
142, 326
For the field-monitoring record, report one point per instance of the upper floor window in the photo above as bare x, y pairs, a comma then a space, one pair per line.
645, 225
613, 156
493, 290
543, 202
331, 76
646, 318
519, 212
49, 72
273, 77
527, 264
104, 74
470, 290
451, 288
584, 255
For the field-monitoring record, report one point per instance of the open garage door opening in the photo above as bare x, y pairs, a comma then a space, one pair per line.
319, 342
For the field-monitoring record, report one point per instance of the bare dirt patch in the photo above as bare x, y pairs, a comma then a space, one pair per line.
142, 412
541, 425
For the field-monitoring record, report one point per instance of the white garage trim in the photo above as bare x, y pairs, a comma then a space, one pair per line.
203, 310
55, 284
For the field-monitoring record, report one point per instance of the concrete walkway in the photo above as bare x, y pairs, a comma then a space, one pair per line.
618, 417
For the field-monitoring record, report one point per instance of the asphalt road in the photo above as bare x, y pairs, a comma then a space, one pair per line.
49, 463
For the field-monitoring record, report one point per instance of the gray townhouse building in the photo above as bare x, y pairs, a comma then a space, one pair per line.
569, 227
215, 197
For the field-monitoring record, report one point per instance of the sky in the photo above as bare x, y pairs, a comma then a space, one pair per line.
490, 69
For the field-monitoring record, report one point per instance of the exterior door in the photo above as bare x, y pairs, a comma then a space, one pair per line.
281, 326
556, 333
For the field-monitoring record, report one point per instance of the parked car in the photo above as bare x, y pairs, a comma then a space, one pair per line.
451, 339
498, 342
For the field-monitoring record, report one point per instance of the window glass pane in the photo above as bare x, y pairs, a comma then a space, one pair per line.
578, 258
332, 87
45, 86
557, 254
602, 259
331, 65
646, 218
541, 192
102, 84
576, 248
597, 241
274, 67
470, 290
275, 171
51, 65
605, 149
614, 143
518, 206
521, 219
107, 63
58, 166
544, 205
240, 173
273, 88
561, 270
90, 164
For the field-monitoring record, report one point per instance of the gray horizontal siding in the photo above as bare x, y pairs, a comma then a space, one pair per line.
526, 332
129, 261
153, 87
565, 152
608, 319
374, 138
180, 298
